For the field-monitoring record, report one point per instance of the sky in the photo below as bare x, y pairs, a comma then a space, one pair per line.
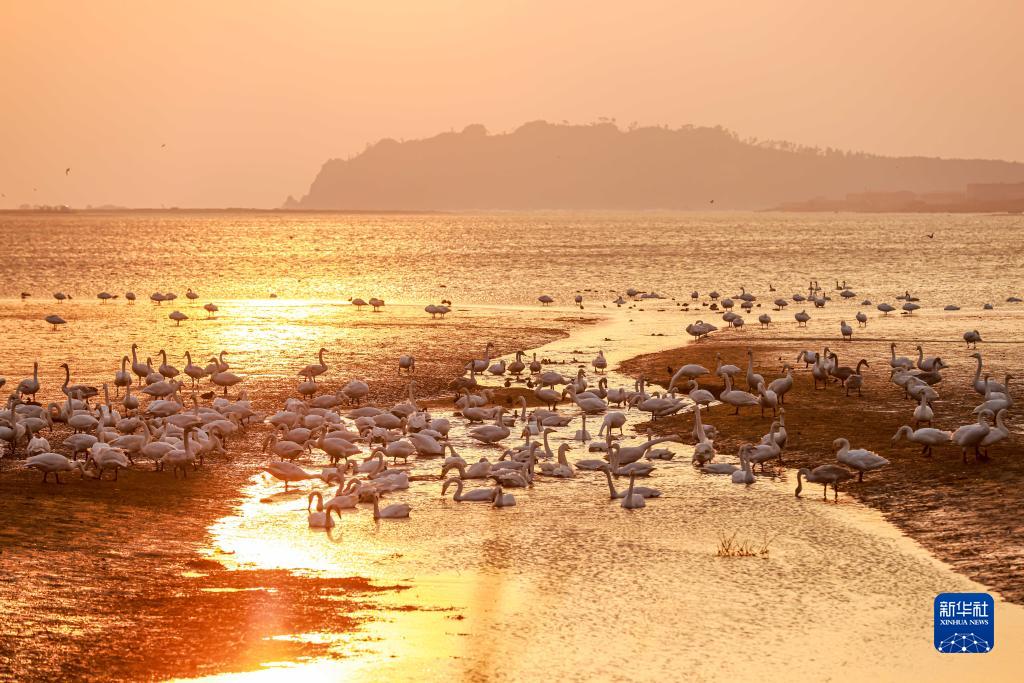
214, 104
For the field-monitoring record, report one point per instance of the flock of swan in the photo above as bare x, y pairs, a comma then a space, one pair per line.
160, 419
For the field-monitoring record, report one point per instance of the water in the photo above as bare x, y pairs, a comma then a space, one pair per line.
505, 258
565, 584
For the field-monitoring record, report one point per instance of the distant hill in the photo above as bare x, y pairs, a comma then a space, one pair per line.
548, 166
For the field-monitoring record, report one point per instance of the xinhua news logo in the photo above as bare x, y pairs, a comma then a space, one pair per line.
964, 623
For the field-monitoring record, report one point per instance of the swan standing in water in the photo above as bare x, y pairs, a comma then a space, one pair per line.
614, 494
825, 475
393, 511
321, 518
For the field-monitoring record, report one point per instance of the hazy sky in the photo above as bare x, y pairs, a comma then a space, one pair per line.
251, 97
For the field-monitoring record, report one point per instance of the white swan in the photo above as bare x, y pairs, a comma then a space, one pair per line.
859, 459
632, 500
971, 435
502, 499
491, 433
744, 475
321, 518
928, 437
483, 494
614, 494
393, 511
737, 399
53, 463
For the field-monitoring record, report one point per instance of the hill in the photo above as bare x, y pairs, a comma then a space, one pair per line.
553, 166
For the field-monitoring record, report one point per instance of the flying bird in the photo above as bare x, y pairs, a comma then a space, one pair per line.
930, 236
67, 170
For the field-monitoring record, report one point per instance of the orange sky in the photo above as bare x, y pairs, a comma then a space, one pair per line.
251, 97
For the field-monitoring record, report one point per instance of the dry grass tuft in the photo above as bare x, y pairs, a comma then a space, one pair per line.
728, 546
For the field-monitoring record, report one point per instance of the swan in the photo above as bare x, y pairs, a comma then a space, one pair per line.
767, 399
346, 497
859, 459
394, 511
644, 491
141, 370
782, 385
179, 458
808, 357
744, 475
923, 412
825, 475
753, 379
629, 454
321, 518
996, 401
855, 381
737, 399
225, 379
701, 397
30, 386
846, 330
282, 448
982, 387
632, 500
582, 434
688, 371
768, 450
53, 463
997, 433
599, 362
972, 337
502, 499
122, 378
407, 362
478, 470
483, 495
491, 433
928, 363
801, 318
517, 366
719, 468
210, 309
37, 445
971, 435
765, 320
928, 437
478, 365
587, 404
613, 420
314, 370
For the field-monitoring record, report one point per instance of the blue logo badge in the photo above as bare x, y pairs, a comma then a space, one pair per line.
964, 623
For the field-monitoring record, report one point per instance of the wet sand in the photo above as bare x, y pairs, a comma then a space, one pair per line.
967, 514
107, 580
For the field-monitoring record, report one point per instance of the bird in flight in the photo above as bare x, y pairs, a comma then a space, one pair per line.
930, 236
67, 170
712, 201
163, 145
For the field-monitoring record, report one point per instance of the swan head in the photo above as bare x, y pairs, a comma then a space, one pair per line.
839, 444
